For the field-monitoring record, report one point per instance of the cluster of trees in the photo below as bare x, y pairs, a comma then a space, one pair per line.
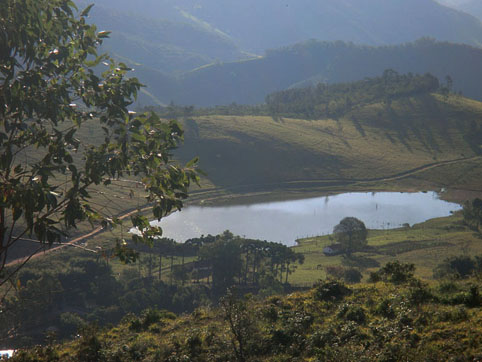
324, 100
222, 261
176, 111
83, 289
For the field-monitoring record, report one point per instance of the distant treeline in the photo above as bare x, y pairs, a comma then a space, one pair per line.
322, 100
332, 101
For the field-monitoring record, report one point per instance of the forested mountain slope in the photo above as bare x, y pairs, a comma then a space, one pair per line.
164, 42
250, 81
369, 22
199, 41
257, 25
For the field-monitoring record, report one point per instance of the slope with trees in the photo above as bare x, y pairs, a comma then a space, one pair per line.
77, 288
276, 24
313, 62
331, 134
161, 42
48, 91
398, 317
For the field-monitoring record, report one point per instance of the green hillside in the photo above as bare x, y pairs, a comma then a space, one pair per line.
370, 142
400, 319
312, 62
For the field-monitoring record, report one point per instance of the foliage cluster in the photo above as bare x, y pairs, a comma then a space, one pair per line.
473, 213
394, 272
375, 322
85, 290
332, 101
459, 267
53, 81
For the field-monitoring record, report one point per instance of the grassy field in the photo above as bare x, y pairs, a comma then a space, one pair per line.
425, 245
252, 153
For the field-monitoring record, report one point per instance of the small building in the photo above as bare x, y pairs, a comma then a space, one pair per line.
333, 249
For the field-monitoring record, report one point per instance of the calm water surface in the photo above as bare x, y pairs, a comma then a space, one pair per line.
287, 221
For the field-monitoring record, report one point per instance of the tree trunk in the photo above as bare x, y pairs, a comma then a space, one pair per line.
160, 267
172, 266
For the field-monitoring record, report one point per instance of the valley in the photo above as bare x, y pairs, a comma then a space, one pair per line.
240, 181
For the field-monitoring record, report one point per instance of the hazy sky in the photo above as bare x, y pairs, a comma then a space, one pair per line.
453, 2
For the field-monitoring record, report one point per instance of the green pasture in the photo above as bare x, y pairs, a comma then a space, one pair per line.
426, 245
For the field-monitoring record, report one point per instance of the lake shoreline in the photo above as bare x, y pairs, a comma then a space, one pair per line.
300, 217
223, 197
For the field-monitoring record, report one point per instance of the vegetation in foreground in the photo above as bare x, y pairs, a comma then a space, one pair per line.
395, 317
72, 289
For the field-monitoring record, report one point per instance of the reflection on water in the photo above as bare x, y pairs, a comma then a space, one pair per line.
287, 221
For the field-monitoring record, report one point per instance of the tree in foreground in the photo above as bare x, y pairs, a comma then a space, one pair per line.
351, 233
53, 82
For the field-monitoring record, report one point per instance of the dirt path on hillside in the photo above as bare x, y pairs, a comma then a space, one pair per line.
349, 181
198, 193
72, 242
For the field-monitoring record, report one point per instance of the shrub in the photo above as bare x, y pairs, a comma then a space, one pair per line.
149, 317
457, 266
331, 291
394, 272
419, 293
335, 271
352, 275
355, 314
385, 309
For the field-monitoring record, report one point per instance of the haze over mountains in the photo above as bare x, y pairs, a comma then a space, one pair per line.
208, 52
307, 63
473, 7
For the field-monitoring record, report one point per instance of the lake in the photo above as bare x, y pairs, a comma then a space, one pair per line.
286, 221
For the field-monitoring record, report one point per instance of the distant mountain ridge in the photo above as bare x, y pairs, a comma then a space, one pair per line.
167, 44
249, 82
472, 7
201, 42
263, 24
257, 25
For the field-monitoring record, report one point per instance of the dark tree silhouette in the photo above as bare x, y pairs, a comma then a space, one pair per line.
351, 233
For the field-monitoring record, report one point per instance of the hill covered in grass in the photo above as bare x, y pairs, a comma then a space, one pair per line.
372, 140
399, 318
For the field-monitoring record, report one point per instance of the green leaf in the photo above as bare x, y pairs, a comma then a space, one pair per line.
86, 11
